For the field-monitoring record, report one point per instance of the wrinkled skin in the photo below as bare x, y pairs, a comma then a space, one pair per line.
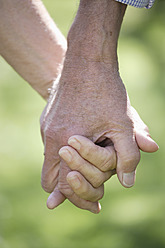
101, 112
91, 100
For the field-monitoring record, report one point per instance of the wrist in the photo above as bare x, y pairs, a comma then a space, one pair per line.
94, 33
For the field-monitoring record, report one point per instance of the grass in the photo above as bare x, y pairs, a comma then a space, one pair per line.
129, 217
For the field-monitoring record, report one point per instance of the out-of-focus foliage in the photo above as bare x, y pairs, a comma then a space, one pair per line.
129, 217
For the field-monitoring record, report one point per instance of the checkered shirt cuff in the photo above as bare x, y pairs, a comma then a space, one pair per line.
138, 3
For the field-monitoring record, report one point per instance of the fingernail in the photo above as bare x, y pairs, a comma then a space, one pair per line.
97, 211
75, 182
129, 179
99, 207
65, 154
74, 143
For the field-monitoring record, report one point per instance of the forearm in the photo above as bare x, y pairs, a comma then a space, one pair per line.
31, 43
94, 33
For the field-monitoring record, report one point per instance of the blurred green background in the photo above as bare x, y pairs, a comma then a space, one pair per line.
129, 217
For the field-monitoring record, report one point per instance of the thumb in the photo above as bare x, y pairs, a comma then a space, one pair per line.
145, 142
55, 199
128, 157
143, 138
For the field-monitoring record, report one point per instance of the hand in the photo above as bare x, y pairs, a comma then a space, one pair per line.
91, 100
102, 113
91, 166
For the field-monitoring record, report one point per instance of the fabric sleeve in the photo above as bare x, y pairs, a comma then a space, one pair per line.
138, 3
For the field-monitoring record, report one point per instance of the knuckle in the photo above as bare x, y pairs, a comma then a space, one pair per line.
106, 165
108, 160
74, 165
101, 179
136, 158
96, 181
82, 192
75, 162
99, 195
65, 189
94, 196
87, 151
132, 160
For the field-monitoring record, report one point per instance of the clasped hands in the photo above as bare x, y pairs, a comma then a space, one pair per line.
89, 129
90, 132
